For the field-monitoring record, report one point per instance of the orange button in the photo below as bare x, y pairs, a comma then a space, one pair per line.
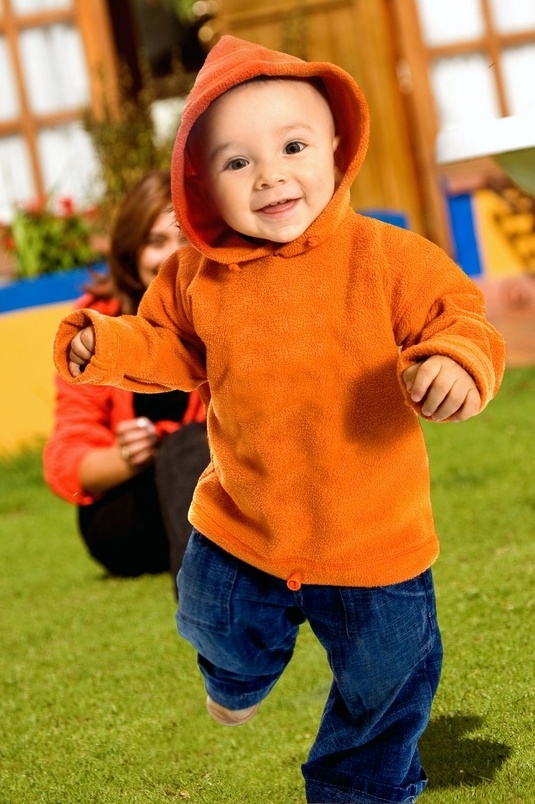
294, 582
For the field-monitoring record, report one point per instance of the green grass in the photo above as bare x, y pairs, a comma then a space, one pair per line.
101, 702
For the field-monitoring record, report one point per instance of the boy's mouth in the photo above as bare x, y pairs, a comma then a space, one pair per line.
278, 209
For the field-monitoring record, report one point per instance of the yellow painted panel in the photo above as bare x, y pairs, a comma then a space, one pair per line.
498, 256
27, 369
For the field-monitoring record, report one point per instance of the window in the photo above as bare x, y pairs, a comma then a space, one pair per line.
481, 57
49, 50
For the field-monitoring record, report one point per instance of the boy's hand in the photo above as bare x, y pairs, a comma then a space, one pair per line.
447, 390
82, 350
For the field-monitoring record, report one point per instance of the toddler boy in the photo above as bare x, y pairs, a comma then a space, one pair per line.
316, 336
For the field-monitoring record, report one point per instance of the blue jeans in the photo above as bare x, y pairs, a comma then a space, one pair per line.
383, 646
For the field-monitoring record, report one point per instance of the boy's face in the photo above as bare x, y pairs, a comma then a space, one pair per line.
267, 153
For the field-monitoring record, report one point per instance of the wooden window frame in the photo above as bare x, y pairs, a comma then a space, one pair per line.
414, 66
492, 43
92, 23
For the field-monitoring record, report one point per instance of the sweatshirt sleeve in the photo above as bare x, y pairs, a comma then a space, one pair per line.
153, 351
83, 422
438, 310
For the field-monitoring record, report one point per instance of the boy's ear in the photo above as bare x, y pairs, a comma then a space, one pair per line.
336, 151
338, 167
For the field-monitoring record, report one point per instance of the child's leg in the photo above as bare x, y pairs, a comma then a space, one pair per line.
385, 651
242, 622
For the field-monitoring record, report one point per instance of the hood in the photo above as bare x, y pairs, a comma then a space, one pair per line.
231, 62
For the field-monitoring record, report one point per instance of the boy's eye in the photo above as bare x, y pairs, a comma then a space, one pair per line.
236, 164
294, 147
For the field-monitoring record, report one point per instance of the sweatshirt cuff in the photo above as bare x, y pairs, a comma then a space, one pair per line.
467, 355
97, 370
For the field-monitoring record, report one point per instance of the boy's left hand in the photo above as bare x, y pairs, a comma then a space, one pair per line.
447, 390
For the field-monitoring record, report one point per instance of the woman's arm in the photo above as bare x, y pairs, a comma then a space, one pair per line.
84, 424
133, 451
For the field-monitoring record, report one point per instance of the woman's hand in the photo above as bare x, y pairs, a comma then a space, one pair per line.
136, 442
104, 468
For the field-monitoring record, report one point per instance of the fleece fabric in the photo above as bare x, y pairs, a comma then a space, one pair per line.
319, 472
86, 417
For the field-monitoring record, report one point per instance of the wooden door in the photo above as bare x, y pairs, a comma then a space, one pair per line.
357, 36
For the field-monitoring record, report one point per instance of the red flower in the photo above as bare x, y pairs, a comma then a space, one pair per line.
66, 205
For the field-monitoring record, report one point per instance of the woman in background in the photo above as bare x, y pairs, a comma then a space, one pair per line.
130, 462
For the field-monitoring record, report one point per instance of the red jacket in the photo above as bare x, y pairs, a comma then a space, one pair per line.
86, 418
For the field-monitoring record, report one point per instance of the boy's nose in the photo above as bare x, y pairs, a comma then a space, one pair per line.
269, 175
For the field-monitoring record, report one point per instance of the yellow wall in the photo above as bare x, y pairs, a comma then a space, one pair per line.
26, 369
501, 256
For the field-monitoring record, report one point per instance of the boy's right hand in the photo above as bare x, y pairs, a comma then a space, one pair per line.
82, 350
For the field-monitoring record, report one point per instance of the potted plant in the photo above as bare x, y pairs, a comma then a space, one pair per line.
47, 250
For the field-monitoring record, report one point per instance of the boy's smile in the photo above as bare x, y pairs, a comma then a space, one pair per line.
278, 209
267, 155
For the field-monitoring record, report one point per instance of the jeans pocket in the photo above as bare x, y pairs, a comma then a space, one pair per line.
205, 583
393, 628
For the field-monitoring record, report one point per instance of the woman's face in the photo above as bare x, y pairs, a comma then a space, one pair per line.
163, 239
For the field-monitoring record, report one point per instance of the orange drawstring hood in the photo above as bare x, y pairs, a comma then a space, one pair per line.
231, 62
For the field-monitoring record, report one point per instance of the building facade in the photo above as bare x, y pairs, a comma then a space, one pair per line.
426, 66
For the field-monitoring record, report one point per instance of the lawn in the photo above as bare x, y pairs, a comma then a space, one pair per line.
100, 701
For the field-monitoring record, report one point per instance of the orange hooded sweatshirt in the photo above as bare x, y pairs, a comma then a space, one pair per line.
319, 472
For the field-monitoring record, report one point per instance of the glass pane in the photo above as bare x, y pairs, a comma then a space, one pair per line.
54, 68
9, 102
464, 90
69, 163
513, 15
33, 6
445, 23
16, 182
518, 65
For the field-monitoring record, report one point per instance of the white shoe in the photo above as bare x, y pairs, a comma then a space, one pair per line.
230, 717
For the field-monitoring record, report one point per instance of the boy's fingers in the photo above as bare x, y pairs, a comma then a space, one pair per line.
460, 404
74, 369
81, 351
445, 390
470, 407
444, 398
419, 377
409, 375
87, 338
444, 410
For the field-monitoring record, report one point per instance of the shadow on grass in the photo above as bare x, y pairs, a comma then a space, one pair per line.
451, 758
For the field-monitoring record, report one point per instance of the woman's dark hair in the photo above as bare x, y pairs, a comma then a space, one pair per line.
142, 204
